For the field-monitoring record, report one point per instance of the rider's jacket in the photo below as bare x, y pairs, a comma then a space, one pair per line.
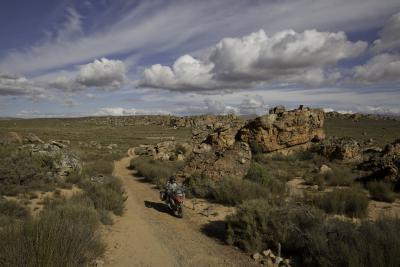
171, 187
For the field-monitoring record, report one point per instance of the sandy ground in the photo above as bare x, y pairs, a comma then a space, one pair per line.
148, 235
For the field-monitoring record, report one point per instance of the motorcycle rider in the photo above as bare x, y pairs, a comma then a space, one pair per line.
171, 186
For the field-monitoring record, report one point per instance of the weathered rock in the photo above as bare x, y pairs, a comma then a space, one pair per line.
63, 161
32, 139
345, 148
324, 169
384, 165
219, 163
282, 129
256, 256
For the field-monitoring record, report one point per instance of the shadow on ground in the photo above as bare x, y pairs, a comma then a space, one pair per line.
216, 230
160, 207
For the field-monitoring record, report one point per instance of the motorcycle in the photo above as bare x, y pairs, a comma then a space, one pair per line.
175, 201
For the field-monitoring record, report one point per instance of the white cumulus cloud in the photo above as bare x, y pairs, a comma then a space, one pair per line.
389, 36
286, 56
103, 73
381, 68
12, 85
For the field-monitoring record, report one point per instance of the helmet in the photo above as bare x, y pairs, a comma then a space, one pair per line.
172, 179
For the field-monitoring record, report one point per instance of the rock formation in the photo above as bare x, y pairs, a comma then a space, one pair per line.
345, 149
282, 129
384, 165
63, 161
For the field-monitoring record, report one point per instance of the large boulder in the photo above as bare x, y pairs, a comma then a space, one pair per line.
218, 163
62, 161
345, 149
282, 129
384, 165
216, 152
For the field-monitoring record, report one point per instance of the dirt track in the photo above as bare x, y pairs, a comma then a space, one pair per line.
147, 235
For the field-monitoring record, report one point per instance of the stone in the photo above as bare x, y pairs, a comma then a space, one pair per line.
266, 253
283, 129
32, 139
346, 149
384, 165
256, 256
325, 169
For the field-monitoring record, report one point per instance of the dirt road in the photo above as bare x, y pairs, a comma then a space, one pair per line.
147, 235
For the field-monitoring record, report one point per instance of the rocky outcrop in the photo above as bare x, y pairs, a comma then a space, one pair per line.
384, 165
62, 160
167, 150
216, 152
16, 138
345, 149
282, 129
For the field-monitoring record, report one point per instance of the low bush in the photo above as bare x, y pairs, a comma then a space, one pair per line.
381, 191
349, 201
98, 167
62, 236
233, 191
155, 171
258, 173
13, 209
258, 225
255, 147
19, 173
311, 239
198, 185
107, 194
340, 176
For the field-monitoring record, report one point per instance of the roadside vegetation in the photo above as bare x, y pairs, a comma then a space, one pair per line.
312, 238
155, 171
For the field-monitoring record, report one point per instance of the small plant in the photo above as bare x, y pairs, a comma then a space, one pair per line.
350, 201
255, 147
107, 195
198, 185
13, 209
65, 235
155, 171
381, 191
233, 191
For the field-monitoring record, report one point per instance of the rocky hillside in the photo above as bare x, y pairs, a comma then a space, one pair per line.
223, 149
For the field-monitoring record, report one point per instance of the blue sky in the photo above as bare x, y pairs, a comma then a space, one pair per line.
83, 58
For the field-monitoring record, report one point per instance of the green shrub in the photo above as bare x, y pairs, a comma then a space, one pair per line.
19, 172
98, 167
233, 191
258, 173
63, 236
155, 171
350, 201
74, 178
258, 225
106, 195
199, 185
340, 176
13, 209
381, 191
311, 239
255, 147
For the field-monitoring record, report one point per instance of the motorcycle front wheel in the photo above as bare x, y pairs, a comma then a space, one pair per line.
179, 212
